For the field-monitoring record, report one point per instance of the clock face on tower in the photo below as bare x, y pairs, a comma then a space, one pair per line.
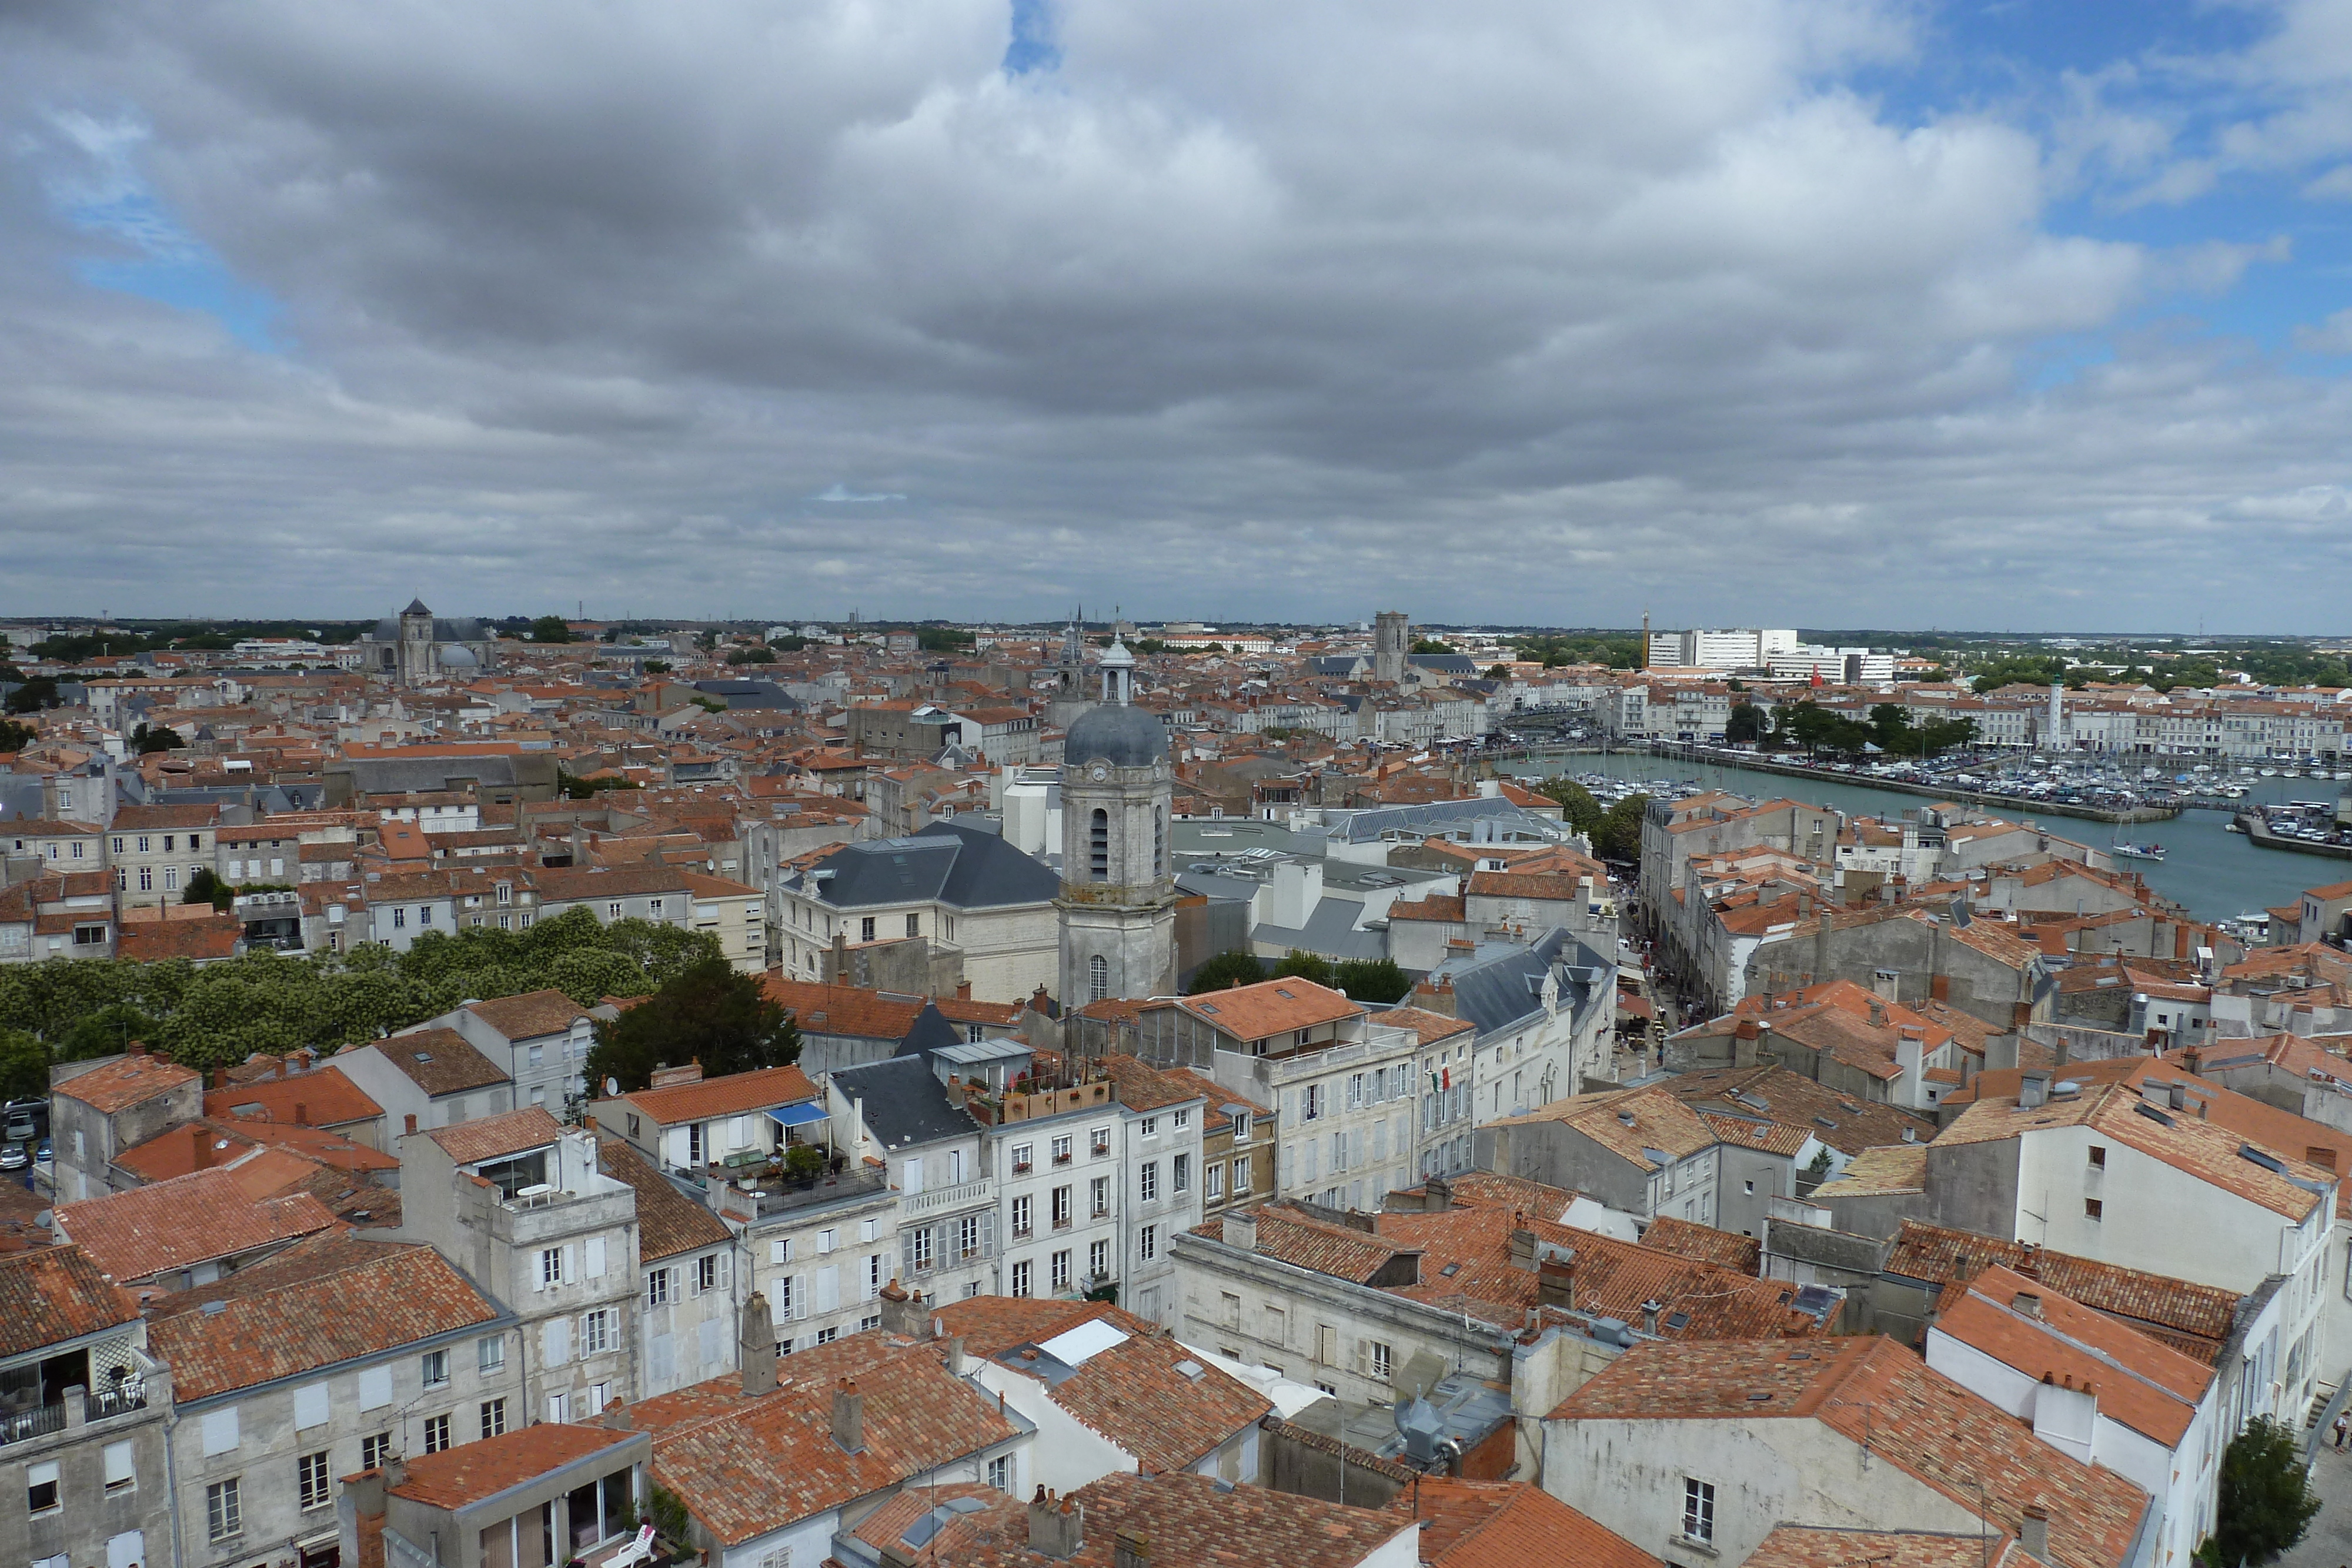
1098, 772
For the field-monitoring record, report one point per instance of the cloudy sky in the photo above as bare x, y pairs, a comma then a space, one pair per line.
2000, 315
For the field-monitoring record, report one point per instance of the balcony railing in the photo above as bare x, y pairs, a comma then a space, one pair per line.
46, 1420
957, 1196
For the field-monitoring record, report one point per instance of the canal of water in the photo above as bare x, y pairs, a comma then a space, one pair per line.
2216, 873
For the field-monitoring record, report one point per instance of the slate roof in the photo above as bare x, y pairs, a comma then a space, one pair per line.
471, 1143
439, 1062
194, 1219
669, 1223
1868, 1389
324, 1300
126, 1082
51, 1294
747, 1466
905, 1103
951, 863
1473, 1524
457, 1477
1496, 990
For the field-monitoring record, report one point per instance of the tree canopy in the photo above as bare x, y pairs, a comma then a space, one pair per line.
262, 1001
2267, 1499
149, 738
1371, 979
1235, 966
707, 1012
14, 737
549, 629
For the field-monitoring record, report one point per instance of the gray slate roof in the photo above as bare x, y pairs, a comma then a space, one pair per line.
1440, 816
1500, 985
968, 867
905, 1103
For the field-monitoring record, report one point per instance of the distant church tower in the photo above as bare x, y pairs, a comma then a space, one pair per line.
1118, 903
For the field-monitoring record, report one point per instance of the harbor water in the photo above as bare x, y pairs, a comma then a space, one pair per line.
2216, 873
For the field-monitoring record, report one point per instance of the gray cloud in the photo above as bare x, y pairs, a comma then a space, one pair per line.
1508, 310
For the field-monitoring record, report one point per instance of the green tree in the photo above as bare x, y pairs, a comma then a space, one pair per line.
2267, 1499
24, 1065
39, 693
752, 656
149, 738
1235, 966
106, 1032
1371, 979
1498, 672
1582, 813
1747, 725
1299, 964
657, 666
204, 887
708, 1013
14, 737
1619, 837
549, 629
1431, 645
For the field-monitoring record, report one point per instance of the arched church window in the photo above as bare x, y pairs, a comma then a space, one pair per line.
1098, 846
1098, 977
1159, 842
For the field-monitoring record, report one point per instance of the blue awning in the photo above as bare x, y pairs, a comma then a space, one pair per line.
798, 1115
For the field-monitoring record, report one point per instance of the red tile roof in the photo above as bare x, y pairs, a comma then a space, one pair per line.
457, 1477
190, 1219
736, 1094
326, 1097
471, 1143
1482, 1524
2191, 1318
326, 1300
439, 1062
530, 1015
51, 1294
747, 1466
126, 1082
1868, 1389
669, 1223
2024, 1324
1270, 1008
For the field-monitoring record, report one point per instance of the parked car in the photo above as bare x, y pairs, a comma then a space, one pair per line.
14, 1157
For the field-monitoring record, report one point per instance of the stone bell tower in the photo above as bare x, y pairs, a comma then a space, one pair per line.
1118, 903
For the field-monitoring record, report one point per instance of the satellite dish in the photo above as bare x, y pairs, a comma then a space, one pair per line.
611, 1087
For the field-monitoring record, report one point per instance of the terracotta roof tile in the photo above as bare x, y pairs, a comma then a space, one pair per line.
1870, 1389
530, 1015
1270, 1008
1795, 1546
470, 1473
51, 1294
843, 1010
747, 1466
736, 1094
439, 1062
125, 1081
1741, 1254
471, 1143
2192, 1318
1476, 1524
326, 1097
2026, 1325
190, 1219
669, 1223
326, 1300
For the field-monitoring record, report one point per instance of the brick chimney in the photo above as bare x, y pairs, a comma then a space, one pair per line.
409, 1121
848, 1414
1057, 1526
1744, 1036
902, 1309
1130, 1551
1555, 1283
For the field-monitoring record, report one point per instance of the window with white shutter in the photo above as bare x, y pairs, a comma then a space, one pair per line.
571, 1263
781, 1251
828, 1289
375, 1388
220, 1431
595, 1257
312, 1407
555, 1340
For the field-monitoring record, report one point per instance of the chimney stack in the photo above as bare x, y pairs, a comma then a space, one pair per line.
1523, 1242
1240, 1230
849, 1414
1555, 1283
1057, 1527
902, 1311
1649, 1310
1130, 1551
616, 1416
757, 1341
411, 1123
2034, 1533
